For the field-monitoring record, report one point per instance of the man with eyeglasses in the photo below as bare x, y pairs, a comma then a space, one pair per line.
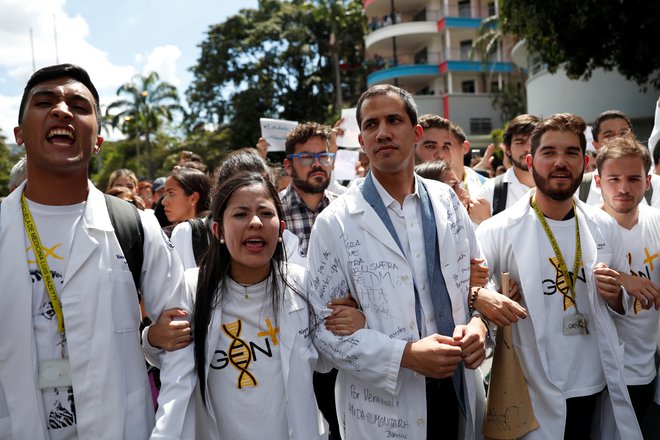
309, 163
609, 125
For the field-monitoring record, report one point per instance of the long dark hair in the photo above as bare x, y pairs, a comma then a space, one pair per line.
216, 265
191, 181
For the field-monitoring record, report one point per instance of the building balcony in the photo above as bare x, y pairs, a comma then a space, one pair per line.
409, 36
475, 66
379, 9
412, 70
409, 77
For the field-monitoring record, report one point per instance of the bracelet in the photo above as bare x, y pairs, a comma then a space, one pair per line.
473, 298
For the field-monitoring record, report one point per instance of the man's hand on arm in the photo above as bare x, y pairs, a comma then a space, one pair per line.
171, 331
609, 286
499, 308
434, 356
645, 290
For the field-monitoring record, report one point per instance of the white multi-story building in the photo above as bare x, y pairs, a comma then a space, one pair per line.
424, 46
549, 93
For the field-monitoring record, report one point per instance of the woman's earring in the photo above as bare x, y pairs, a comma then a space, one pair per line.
279, 239
222, 241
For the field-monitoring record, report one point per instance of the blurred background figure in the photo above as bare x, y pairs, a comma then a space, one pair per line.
144, 190
186, 195
18, 174
122, 177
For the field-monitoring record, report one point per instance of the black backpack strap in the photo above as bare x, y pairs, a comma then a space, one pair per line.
500, 194
125, 219
200, 237
585, 186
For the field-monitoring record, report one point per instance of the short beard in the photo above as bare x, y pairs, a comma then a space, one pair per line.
521, 165
305, 186
556, 194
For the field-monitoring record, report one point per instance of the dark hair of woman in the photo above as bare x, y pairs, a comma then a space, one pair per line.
215, 267
245, 159
433, 169
192, 180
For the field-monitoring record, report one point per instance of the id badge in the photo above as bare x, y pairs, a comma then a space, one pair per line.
575, 325
54, 374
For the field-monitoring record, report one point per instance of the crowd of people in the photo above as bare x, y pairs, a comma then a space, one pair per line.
272, 301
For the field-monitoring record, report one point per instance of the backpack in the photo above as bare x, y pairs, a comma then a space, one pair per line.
201, 232
125, 218
585, 187
500, 194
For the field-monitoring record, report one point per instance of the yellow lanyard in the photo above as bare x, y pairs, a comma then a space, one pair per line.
465, 182
33, 235
559, 255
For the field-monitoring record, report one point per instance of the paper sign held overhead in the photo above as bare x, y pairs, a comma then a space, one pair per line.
345, 164
274, 131
351, 130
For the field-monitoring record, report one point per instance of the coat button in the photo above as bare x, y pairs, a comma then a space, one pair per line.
420, 422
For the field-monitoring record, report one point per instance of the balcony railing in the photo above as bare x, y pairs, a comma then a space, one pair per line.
377, 62
459, 11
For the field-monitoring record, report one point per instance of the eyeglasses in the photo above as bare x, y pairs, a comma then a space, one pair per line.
306, 159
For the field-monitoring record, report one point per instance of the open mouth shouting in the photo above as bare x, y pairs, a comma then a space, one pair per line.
254, 244
61, 136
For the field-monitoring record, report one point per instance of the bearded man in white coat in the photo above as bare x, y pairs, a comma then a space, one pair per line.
563, 255
70, 362
401, 245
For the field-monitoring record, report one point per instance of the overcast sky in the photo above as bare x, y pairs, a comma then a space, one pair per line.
112, 39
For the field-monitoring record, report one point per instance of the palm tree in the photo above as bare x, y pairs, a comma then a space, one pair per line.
510, 99
147, 104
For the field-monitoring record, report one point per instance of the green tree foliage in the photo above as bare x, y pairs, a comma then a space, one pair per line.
277, 61
146, 104
589, 34
6, 163
510, 100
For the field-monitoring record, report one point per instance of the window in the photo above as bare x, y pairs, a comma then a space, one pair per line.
494, 86
491, 8
467, 86
466, 48
422, 57
480, 126
464, 9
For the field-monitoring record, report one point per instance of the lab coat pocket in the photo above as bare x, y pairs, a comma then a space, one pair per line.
137, 411
125, 306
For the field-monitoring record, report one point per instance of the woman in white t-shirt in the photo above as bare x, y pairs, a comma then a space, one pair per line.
253, 355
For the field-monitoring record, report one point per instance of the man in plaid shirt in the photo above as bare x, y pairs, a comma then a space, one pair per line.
309, 163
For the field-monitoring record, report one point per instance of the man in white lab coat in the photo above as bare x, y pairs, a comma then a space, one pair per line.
623, 178
401, 246
562, 254
70, 362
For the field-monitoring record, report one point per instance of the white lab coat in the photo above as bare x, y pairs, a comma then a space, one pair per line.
352, 251
102, 316
298, 357
510, 243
